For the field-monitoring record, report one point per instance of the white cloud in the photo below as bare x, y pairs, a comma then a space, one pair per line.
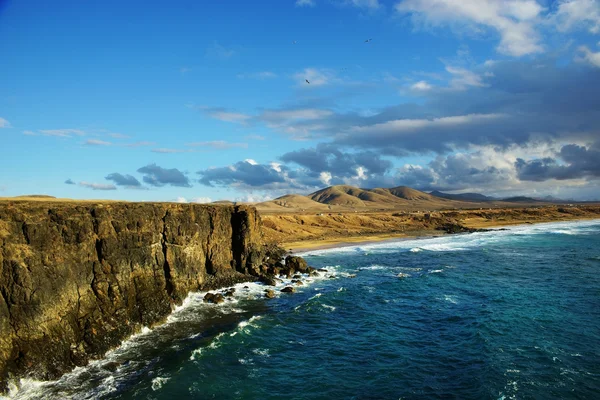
410, 125
513, 20
316, 77
96, 142
201, 200
181, 200
97, 186
4, 123
250, 161
297, 114
29, 133
218, 144
227, 116
577, 14
62, 132
589, 56
421, 86
305, 3
325, 177
462, 78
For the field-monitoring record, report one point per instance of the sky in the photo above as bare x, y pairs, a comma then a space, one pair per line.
197, 101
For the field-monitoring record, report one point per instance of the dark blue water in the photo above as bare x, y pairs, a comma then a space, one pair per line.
499, 315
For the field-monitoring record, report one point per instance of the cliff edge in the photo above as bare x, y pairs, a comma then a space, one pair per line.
78, 278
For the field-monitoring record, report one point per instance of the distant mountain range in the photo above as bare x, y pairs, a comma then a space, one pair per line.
345, 197
478, 197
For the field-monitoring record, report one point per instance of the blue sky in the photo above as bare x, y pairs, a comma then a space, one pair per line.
199, 101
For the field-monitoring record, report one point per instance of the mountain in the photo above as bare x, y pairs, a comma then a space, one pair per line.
522, 199
477, 197
291, 202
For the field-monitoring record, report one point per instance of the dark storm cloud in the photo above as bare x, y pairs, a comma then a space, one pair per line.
455, 172
70, 182
158, 176
123, 180
519, 101
577, 162
328, 158
242, 173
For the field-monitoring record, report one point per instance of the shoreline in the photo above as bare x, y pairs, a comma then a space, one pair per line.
299, 248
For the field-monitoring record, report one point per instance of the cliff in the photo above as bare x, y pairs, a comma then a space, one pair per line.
78, 278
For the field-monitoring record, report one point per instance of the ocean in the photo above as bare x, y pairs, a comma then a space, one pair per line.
511, 314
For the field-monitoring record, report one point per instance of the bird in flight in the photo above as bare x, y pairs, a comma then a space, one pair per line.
307, 81
368, 40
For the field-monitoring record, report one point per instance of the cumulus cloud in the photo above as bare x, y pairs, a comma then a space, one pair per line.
513, 20
247, 173
571, 162
421, 86
97, 186
588, 56
4, 123
69, 182
157, 176
577, 14
328, 162
124, 180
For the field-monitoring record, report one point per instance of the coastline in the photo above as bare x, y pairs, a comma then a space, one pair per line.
301, 247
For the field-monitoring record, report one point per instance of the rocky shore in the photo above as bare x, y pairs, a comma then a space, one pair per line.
77, 279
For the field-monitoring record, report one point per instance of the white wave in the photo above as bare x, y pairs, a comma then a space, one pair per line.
416, 250
158, 382
261, 352
450, 298
466, 242
403, 275
374, 267
196, 354
436, 271
245, 361
316, 296
331, 308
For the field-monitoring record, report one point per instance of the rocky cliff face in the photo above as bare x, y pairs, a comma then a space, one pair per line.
78, 278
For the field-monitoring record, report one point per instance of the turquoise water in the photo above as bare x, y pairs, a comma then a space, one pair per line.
496, 315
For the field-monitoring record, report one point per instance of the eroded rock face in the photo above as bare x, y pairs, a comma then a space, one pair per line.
78, 278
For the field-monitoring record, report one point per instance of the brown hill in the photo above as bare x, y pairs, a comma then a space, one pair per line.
290, 202
404, 192
340, 195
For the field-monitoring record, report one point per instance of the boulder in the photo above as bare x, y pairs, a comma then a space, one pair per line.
268, 280
218, 298
297, 282
208, 297
296, 263
288, 289
270, 294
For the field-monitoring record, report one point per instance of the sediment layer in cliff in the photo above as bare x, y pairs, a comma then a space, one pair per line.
78, 278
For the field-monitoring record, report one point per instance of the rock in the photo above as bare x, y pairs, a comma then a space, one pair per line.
296, 263
270, 294
310, 270
268, 280
297, 282
322, 270
288, 289
218, 298
230, 292
313, 273
208, 297
297, 276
